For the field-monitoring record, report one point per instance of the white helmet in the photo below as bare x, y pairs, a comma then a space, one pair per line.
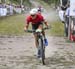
33, 11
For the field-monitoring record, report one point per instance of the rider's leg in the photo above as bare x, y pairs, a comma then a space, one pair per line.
43, 32
41, 27
37, 47
34, 27
36, 41
45, 39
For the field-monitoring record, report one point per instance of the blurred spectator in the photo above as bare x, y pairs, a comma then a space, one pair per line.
0, 8
61, 15
64, 4
10, 9
18, 9
3, 10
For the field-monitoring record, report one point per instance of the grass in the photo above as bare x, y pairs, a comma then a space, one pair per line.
12, 25
57, 29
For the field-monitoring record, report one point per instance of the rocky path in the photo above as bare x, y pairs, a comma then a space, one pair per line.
18, 53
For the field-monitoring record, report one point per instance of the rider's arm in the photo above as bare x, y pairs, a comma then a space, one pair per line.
27, 24
45, 22
26, 27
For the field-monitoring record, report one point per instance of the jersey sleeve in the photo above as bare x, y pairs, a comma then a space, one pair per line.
42, 18
28, 20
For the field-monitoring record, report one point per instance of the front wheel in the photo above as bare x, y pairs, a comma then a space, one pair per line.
42, 50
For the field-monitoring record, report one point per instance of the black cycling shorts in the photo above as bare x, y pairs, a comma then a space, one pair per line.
35, 26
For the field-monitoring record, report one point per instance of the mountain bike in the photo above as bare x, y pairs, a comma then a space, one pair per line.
41, 44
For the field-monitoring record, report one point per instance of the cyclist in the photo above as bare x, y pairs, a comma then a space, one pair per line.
39, 9
37, 22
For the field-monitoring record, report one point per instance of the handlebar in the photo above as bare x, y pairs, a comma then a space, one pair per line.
31, 31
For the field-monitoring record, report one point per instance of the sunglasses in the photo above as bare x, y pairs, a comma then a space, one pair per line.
32, 15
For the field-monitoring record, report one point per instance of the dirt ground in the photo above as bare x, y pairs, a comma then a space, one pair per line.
18, 53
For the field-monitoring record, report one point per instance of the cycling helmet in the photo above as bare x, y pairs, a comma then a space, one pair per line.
33, 11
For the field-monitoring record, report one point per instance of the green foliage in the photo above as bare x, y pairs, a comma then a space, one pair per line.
51, 1
24, 2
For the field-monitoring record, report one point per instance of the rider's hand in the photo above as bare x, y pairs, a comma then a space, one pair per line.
25, 29
47, 27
